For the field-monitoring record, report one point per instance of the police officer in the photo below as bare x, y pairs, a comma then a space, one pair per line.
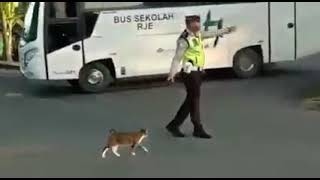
190, 50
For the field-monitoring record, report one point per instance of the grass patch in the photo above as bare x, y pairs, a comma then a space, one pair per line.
312, 99
312, 104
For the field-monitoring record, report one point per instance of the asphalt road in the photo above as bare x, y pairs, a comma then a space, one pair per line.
260, 128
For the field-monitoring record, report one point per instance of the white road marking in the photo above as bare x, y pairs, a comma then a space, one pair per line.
13, 95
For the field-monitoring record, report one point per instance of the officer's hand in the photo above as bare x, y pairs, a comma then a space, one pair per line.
231, 29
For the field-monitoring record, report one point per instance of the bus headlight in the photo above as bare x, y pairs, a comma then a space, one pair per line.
29, 55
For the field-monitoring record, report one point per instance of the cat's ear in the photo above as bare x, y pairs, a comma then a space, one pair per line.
144, 131
112, 131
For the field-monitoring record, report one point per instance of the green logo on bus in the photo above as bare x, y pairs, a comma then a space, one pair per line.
209, 23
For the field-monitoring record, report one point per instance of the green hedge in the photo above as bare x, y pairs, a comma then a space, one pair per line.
1, 47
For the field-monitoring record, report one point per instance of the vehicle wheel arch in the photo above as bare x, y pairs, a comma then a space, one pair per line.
257, 48
253, 55
107, 62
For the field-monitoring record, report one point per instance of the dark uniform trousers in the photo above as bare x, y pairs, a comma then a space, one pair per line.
191, 104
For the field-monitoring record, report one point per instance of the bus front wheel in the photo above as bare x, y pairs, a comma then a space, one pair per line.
95, 78
247, 63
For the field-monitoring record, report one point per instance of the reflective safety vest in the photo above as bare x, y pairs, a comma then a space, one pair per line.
195, 52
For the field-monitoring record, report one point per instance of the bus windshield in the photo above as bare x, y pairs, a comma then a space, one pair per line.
31, 22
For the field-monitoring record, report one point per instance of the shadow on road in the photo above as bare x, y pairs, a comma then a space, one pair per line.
58, 89
53, 90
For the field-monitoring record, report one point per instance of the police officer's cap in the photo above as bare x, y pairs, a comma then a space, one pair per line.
192, 18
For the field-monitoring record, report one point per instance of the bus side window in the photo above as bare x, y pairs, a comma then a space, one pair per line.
63, 10
63, 25
62, 35
90, 21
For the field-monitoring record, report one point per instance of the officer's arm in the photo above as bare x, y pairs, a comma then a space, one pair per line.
182, 46
212, 34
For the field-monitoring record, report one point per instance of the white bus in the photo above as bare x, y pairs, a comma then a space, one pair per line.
92, 44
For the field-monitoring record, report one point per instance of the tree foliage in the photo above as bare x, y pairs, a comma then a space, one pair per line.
11, 14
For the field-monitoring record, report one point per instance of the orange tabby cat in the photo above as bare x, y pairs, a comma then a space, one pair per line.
131, 139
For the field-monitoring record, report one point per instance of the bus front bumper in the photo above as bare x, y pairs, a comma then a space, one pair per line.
33, 66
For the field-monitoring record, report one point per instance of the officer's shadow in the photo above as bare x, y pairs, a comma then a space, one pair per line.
162, 143
227, 74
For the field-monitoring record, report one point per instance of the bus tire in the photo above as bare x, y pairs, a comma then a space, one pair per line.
247, 63
95, 78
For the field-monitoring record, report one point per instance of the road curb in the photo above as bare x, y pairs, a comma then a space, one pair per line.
9, 67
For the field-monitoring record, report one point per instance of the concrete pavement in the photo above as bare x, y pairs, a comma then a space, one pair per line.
260, 128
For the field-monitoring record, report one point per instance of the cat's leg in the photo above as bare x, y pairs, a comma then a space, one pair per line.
105, 150
133, 148
144, 148
115, 150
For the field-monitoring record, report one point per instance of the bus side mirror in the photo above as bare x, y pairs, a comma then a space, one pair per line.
22, 39
20, 34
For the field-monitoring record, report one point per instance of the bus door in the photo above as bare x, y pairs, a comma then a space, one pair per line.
64, 46
282, 31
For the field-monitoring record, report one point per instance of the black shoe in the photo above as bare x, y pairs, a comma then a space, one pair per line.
175, 131
201, 134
